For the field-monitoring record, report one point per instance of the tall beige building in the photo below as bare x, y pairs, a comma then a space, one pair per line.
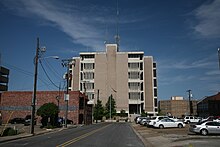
130, 77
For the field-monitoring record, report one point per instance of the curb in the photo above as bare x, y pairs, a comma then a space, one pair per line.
145, 142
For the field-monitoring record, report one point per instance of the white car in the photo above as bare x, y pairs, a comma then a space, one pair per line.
154, 119
191, 119
168, 123
205, 128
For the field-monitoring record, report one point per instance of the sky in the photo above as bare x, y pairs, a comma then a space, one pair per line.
182, 36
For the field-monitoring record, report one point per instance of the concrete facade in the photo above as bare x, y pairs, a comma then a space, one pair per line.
130, 77
18, 104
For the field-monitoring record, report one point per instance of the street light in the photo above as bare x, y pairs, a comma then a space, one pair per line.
39, 52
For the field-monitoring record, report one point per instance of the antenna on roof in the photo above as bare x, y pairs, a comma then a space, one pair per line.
117, 38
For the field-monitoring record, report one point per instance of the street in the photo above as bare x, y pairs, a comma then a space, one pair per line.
97, 135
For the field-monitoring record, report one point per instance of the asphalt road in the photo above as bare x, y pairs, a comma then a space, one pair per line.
97, 135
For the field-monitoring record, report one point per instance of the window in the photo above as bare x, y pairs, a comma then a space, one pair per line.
155, 102
88, 75
89, 56
133, 65
154, 65
134, 85
155, 92
155, 82
89, 86
155, 73
140, 56
134, 95
133, 75
141, 76
89, 66
141, 66
81, 66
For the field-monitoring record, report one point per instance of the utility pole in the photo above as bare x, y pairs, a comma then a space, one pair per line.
66, 63
33, 105
84, 104
190, 105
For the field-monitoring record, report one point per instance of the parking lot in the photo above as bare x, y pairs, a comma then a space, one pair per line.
173, 136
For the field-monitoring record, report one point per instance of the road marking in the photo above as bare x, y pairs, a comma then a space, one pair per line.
81, 137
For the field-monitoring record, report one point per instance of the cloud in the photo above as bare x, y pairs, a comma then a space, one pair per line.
174, 79
208, 19
76, 24
186, 64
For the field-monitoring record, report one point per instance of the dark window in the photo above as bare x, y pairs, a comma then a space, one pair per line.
155, 102
142, 87
141, 76
154, 65
141, 66
155, 82
142, 96
155, 92
81, 66
155, 73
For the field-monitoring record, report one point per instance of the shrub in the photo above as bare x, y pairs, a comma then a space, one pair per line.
9, 132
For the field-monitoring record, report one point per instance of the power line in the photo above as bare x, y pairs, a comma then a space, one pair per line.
48, 76
49, 66
25, 73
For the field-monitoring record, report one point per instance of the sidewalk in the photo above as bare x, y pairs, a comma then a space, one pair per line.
26, 132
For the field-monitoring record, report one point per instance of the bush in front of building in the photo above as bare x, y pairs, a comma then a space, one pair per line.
49, 114
9, 132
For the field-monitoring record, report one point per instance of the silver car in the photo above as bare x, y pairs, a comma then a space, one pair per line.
205, 128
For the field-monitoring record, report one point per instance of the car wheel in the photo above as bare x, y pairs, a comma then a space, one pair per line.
188, 122
161, 126
204, 132
180, 126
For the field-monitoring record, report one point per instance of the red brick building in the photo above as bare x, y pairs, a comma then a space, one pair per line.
210, 106
18, 104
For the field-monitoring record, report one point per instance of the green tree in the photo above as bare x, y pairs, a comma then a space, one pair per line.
98, 111
110, 106
48, 111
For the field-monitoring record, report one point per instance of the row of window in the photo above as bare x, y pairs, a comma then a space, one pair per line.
136, 95
87, 66
135, 86
86, 86
135, 66
87, 75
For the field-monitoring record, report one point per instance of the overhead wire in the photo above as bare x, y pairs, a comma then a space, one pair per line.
25, 72
49, 66
48, 75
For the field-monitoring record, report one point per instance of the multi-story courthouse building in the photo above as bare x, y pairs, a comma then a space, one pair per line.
130, 77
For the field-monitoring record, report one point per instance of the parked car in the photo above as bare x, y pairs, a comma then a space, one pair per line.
205, 128
212, 118
174, 118
17, 120
139, 119
168, 123
62, 121
28, 120
150, 122
144, 120
191, 119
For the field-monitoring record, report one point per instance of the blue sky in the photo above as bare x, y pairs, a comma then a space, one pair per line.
182, 36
